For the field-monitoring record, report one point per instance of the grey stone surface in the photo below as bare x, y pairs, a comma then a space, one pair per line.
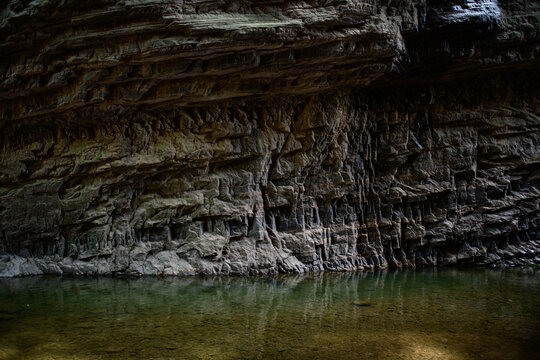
205, 137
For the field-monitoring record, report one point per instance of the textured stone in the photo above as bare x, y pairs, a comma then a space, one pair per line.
178, 138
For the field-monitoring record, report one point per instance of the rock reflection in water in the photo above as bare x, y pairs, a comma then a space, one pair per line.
450, 314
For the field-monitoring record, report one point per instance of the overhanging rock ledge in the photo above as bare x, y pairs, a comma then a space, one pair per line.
153, 137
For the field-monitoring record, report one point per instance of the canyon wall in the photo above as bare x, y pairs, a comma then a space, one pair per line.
253, 137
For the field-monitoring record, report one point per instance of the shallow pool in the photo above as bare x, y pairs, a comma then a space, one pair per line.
435, 314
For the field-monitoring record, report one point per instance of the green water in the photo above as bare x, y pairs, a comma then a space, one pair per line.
448, 314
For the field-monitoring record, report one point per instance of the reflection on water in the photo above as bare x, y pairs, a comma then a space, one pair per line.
450, 314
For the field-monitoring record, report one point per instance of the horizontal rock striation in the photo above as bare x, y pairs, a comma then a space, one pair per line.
253, 137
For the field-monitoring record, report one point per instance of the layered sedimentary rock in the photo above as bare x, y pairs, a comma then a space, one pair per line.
255, 137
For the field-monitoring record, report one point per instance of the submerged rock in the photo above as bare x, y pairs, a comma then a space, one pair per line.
172, 138
361, 304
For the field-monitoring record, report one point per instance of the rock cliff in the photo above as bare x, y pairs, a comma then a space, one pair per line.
175, 137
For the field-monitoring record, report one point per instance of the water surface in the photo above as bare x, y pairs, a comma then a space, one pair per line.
444, 314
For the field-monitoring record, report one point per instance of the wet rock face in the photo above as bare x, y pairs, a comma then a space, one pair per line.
255, 137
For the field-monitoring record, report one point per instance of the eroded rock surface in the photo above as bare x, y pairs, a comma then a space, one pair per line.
255, 137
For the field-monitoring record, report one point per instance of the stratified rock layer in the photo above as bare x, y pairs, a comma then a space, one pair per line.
175, 138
